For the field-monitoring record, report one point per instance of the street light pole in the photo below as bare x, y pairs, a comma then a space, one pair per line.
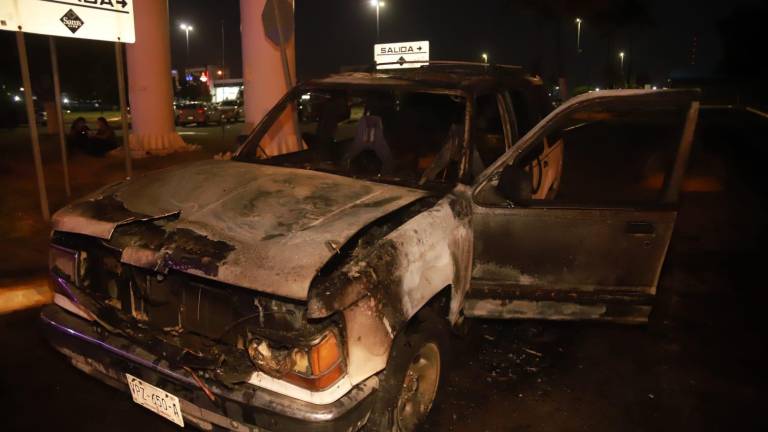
32, 121
578, 35
378, 4
187, 29
222, 43
621, 63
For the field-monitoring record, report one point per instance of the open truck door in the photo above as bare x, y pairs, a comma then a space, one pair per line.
574, 221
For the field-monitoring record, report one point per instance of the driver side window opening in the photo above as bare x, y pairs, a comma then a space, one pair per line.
489, 137
598, 156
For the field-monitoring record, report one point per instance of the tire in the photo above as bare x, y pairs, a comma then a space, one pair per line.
402, 402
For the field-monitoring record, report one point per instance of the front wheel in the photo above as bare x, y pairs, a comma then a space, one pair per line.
409, 384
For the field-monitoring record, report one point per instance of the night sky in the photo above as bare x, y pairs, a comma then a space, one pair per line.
657, 42
658, 37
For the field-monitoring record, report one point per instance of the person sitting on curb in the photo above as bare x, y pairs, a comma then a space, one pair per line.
103, 140
77, 139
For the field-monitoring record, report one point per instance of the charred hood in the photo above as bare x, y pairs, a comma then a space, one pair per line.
256, 226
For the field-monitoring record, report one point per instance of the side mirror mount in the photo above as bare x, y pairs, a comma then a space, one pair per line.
515, 184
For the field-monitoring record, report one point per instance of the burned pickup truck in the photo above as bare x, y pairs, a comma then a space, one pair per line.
313, 281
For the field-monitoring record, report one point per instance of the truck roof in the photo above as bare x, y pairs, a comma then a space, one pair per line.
467, 76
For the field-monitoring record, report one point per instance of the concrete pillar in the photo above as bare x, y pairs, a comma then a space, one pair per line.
263, 77
149, 82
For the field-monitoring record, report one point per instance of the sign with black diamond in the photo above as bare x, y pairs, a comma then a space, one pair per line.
401, 55
72, 21
107, 20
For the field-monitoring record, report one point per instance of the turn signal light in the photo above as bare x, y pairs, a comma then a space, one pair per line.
325, 363
320, 366
314, 368
325, 355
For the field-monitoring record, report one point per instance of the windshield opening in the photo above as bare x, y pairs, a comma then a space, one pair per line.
406, 137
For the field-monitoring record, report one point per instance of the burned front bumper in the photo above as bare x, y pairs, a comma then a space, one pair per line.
242, 408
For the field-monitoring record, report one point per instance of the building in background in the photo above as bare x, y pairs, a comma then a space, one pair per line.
227, 89
208, 83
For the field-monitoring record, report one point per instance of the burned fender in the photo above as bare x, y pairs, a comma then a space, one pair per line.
381, 287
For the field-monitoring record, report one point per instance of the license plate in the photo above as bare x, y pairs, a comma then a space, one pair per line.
190, 117
155, 399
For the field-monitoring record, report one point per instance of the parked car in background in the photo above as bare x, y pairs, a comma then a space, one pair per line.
199, 113
231, 110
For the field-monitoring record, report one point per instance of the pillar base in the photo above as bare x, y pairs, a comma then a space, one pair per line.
143, 145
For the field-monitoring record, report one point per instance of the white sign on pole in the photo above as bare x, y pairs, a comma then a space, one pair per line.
398, 55
106, 20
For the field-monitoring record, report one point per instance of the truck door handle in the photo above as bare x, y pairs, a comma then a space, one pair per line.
640, 229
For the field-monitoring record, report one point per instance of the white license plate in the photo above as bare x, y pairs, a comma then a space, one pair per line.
190, 117
155, 399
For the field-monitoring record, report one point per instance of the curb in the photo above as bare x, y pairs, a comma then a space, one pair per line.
24, 295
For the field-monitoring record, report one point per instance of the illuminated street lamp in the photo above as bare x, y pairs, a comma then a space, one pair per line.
578, 35
485, 57
186, 28
378, 4
621, 66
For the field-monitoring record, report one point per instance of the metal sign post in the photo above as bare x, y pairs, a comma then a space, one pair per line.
32, 120
283, 18
107, 21
278, 26
59, 115
123, 110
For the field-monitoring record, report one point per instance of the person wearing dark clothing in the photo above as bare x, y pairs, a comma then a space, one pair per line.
103, 140
77, 139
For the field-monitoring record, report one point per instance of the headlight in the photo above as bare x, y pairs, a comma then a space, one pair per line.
315, 368
64, 262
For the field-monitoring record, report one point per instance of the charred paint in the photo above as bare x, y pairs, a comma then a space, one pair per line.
461, 208
392, 274
108, 209
337, 284
188, 322
152, 246
260, 227
100, 215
